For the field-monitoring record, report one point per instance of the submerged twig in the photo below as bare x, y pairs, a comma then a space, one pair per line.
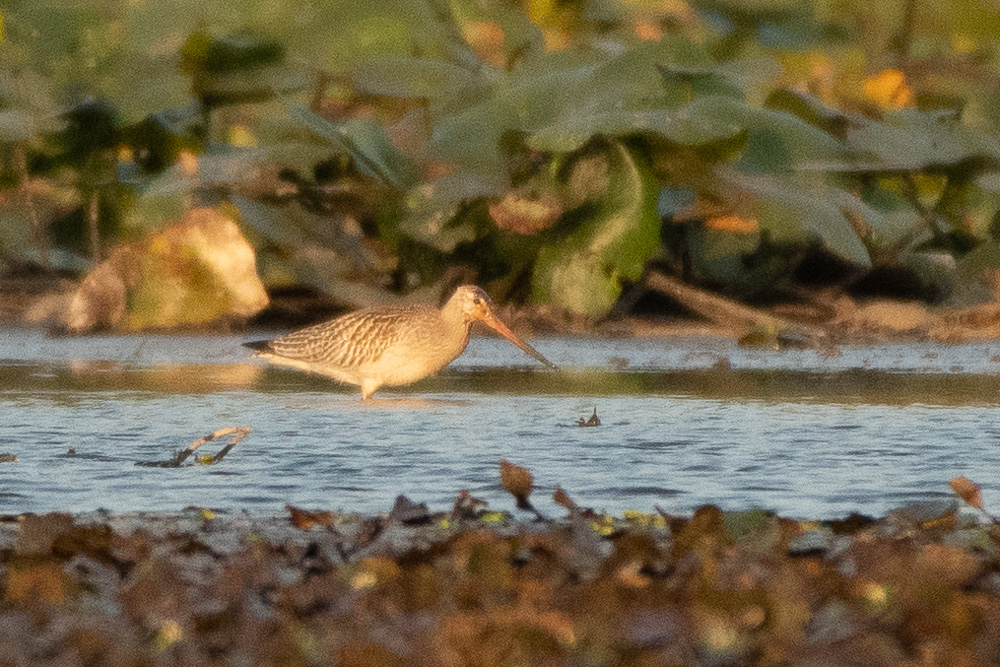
237, 433
593, 421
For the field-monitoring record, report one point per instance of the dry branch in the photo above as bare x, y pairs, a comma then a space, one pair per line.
237, 433
726, 312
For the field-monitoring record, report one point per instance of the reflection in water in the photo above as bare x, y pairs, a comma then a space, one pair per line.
677, 430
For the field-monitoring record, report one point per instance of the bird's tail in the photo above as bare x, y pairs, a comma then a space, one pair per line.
259, 346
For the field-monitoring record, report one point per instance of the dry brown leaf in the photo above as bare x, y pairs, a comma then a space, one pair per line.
466, 505
968, 491
371, 528
44, 581
517, 481
409, 512
561, 497
306, 519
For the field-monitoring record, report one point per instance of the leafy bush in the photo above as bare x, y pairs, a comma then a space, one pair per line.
554, 149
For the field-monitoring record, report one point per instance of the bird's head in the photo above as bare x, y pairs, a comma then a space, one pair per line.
475, 306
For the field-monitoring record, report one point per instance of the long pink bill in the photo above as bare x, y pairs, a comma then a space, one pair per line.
494, 323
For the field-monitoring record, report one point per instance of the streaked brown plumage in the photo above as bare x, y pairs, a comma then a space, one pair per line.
389, 345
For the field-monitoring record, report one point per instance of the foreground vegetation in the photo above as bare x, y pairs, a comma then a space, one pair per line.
474, 587
550, 151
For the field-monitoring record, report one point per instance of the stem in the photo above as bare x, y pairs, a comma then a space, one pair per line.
319, 92
929, 216
93, 217
24, 185
906, 30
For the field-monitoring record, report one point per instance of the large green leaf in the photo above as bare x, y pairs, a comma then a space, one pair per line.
577, 280
365, 141
412, 77
105, 50
914, 140
520, 101
471, 139
633, 77
432, 217
584, 272
779, 140
688, 126
794, 209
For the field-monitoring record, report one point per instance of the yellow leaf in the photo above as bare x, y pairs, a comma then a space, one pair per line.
733, 223
169, 633
888, 89
241, 135
486, 40
648, 31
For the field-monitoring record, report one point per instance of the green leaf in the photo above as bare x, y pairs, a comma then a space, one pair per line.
532, 96
810, 109
691, 125
683, 84
432, 217
577, 280
270, 223
583, 273
913, 140
412, 77
778, 139
375, 153
470, 139
795, 209
365, 141
632, 78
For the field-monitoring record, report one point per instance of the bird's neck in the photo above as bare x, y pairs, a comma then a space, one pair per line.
454, 316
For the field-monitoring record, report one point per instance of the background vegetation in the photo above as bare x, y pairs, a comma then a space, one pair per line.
551, 150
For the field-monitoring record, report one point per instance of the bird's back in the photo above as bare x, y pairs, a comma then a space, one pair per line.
354, 339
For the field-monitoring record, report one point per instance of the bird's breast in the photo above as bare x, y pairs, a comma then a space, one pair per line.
420, 353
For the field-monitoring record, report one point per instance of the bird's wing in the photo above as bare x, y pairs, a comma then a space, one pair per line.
350, 340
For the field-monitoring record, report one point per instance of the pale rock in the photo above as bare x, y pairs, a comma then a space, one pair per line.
199, 271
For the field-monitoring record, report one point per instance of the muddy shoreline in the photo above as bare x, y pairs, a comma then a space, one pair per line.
821, 319
473, 586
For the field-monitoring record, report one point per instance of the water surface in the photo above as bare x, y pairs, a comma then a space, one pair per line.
685, 422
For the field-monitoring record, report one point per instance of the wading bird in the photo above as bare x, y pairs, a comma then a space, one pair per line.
389, 345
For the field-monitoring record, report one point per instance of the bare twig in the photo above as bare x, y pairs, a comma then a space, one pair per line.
725, 311
906, 31
320, 83
237, 433
24, 184
93, 229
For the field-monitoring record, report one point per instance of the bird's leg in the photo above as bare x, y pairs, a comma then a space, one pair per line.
368, 388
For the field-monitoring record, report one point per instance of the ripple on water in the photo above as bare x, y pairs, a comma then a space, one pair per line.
676, 436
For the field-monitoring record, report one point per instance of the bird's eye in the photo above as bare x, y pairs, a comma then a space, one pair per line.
477, 301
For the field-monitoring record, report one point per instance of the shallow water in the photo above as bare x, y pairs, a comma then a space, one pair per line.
685, 422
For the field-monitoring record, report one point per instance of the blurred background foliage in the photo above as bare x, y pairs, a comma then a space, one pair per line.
550, 150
